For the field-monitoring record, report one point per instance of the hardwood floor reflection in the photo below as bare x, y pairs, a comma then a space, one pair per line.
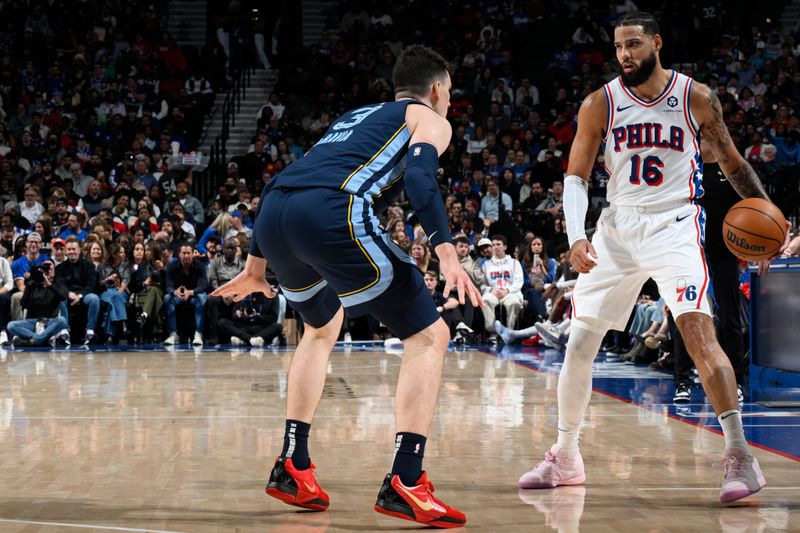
183, 441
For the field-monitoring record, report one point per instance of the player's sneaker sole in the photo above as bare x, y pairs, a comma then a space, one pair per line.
288, 494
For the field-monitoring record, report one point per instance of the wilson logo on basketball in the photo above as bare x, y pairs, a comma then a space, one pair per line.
742, 243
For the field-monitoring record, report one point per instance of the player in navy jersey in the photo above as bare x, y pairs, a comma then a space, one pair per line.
649, 119
317, 226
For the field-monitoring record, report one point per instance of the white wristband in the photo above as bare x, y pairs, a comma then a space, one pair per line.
576, 204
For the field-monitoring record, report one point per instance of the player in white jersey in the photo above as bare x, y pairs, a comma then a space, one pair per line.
649, 119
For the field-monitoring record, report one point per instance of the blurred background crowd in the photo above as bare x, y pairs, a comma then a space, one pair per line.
96, 97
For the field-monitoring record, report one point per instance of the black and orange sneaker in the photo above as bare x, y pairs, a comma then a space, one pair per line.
296, 487
416, 503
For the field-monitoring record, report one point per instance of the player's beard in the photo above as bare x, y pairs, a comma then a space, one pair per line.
641, 74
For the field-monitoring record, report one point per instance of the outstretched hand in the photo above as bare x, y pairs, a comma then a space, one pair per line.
243, 285
456, 277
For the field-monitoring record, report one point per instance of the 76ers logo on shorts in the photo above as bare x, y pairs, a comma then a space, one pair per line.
682, 289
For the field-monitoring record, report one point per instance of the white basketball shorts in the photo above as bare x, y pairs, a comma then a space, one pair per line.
636, 243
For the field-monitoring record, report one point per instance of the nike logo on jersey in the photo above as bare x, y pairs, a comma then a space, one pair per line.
678, 219
621, 109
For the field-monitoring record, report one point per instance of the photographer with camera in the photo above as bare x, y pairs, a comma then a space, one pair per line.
42, 300
254, 321
20, 269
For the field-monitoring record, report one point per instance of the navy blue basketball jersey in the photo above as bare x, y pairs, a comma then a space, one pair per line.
363, 153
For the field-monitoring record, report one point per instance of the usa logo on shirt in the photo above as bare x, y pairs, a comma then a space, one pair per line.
417, 151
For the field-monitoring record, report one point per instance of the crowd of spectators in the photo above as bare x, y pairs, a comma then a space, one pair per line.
99, 229
520, 70
95, 96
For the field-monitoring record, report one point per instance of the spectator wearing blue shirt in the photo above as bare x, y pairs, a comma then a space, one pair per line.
143, 175
492, 202
788, 147
74, 228
520, 166
20, 268
218, 229
493, 168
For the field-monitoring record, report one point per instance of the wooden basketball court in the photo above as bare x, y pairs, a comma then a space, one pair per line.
183, 441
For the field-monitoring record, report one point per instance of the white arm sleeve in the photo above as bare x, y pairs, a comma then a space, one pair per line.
576, 203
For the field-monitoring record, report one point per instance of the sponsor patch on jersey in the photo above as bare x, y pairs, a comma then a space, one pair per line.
417, 151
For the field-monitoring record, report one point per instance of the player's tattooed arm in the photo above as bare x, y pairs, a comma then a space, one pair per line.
738, 171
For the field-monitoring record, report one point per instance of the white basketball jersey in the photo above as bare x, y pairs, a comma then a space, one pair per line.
651, 148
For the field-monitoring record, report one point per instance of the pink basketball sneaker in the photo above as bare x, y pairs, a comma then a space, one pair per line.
556, 469
743, 475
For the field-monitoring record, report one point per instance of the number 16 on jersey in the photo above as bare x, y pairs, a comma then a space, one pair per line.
647, 170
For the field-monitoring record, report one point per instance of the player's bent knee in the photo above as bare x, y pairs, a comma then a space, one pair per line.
328, 331
442, 334
437, 335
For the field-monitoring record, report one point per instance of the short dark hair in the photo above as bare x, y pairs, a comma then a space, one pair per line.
500, 237
644, 19
461, 239
416, 69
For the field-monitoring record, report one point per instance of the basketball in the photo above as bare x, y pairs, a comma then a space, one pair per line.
754, 229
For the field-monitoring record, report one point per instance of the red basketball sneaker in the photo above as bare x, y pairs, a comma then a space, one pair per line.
532, 341
416, 503
296, 487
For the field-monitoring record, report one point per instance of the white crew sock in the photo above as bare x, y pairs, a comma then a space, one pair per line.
731, 422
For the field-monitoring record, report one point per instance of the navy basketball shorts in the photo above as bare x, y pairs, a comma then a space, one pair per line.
326, 249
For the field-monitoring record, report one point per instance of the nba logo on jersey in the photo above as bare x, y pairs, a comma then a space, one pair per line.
417, 151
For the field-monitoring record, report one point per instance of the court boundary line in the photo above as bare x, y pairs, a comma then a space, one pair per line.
85, 526
641, 405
